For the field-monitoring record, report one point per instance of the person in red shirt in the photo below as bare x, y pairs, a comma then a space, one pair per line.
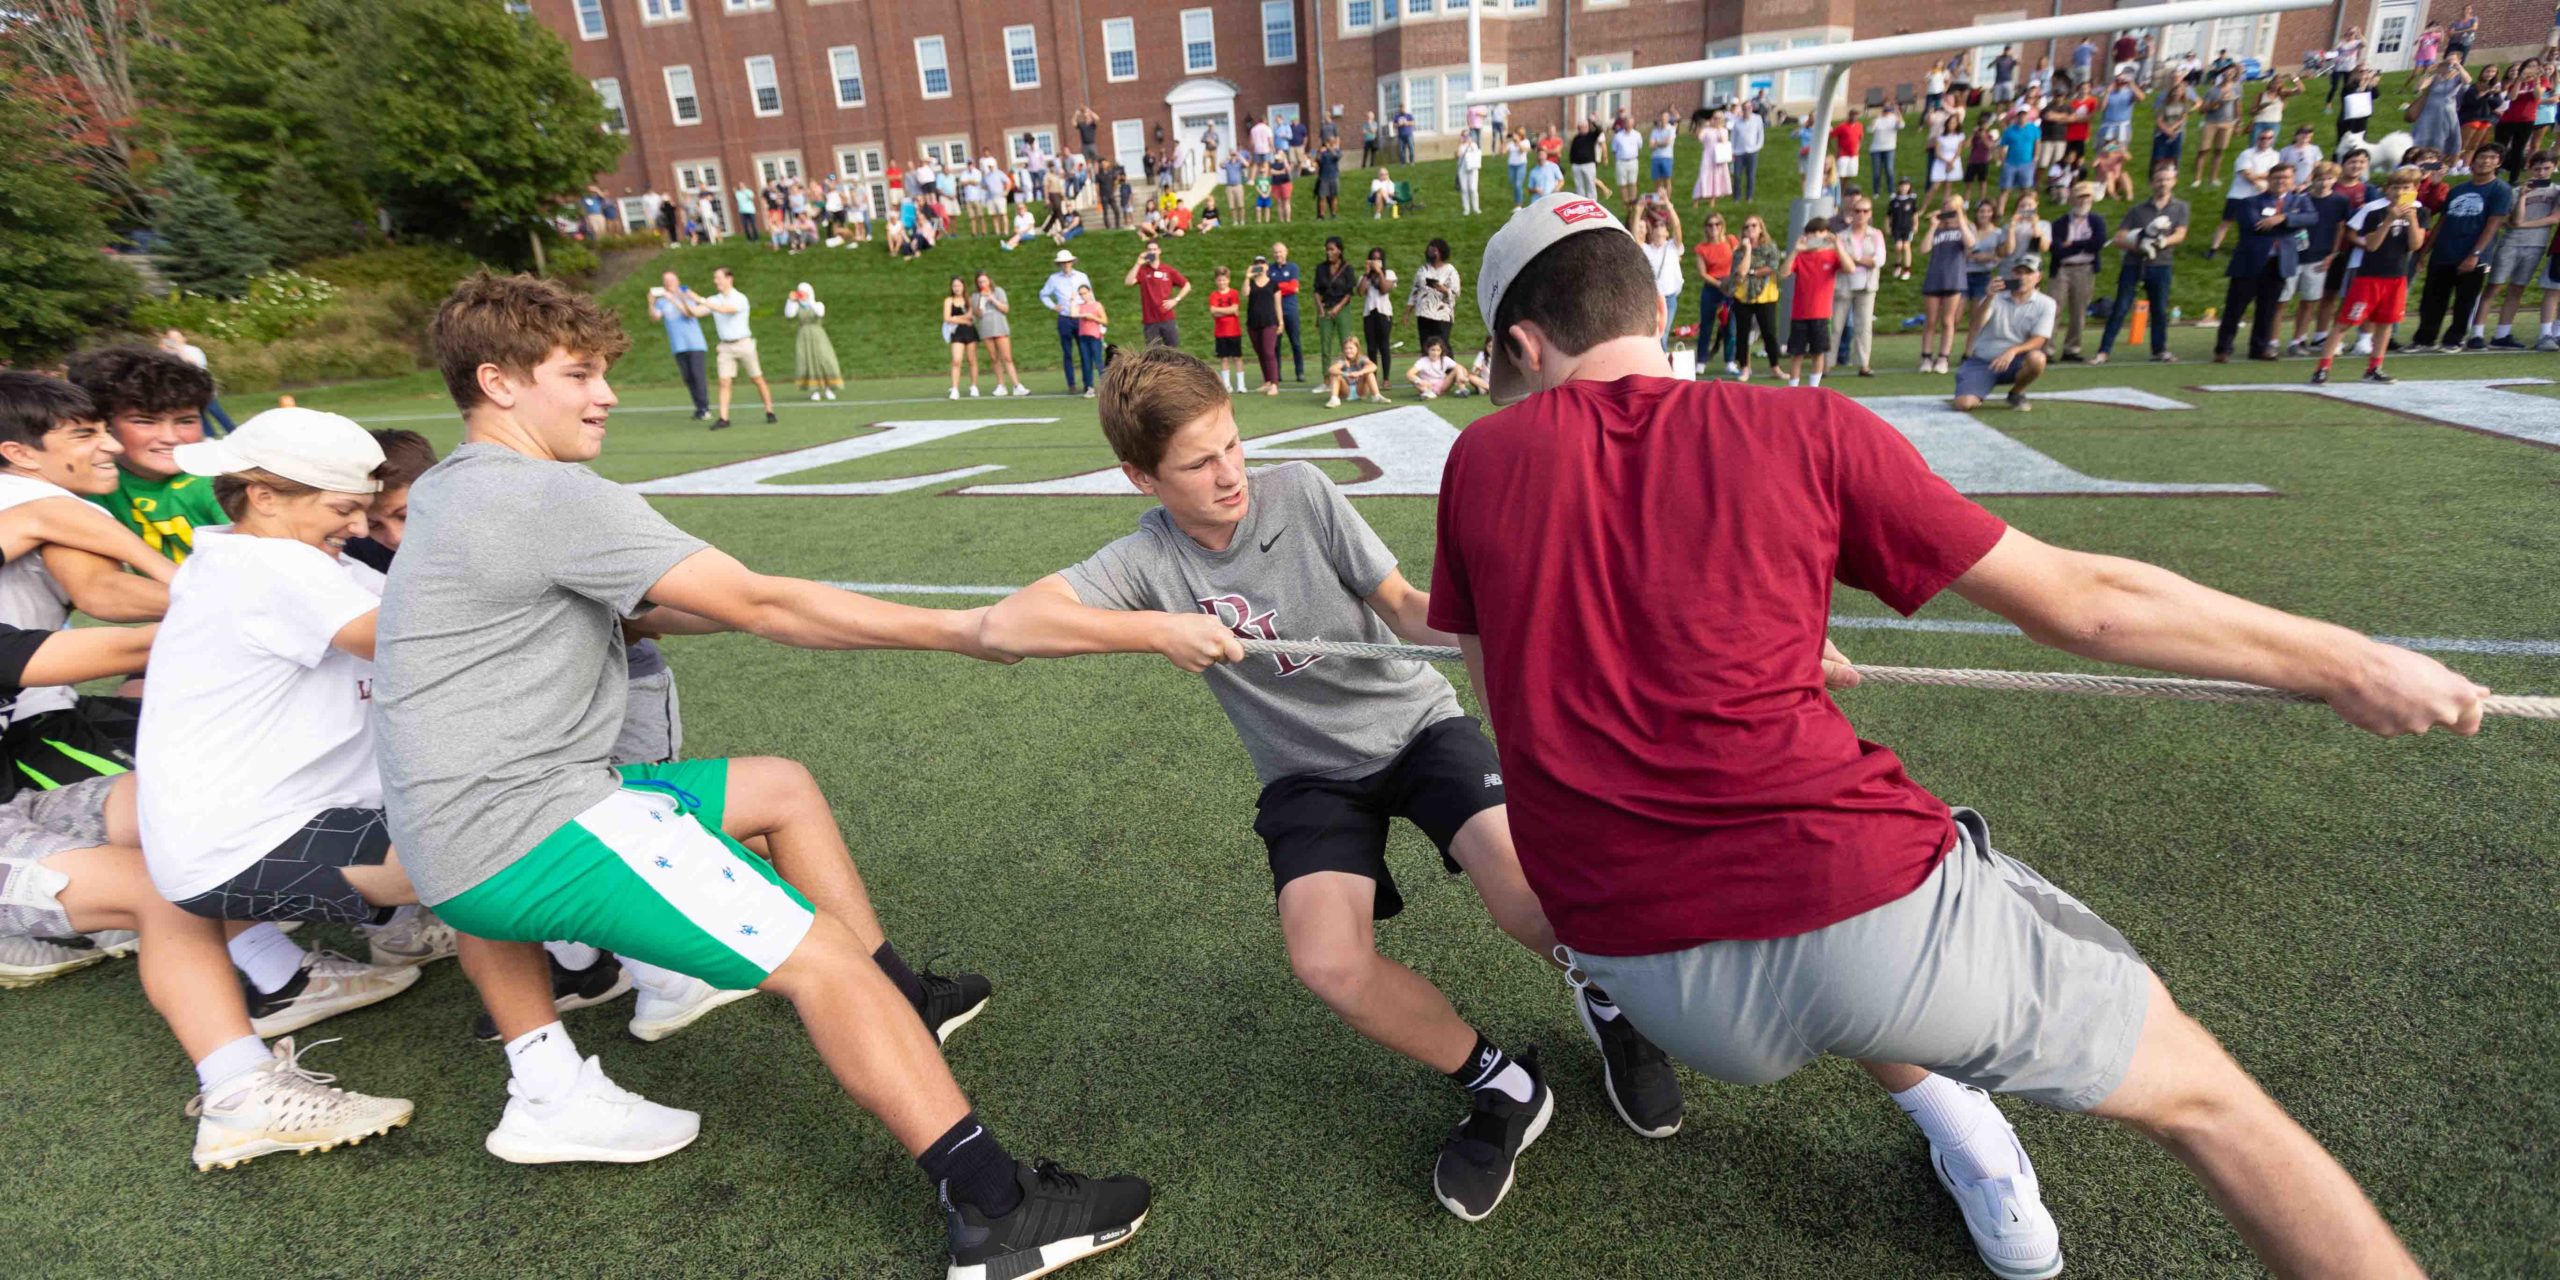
2075, 135
1226, 325
1815, 265
1160, 290
1640, 570
1846, 137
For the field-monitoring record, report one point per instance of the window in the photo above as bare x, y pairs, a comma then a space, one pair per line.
1279, 31
846, 62
1199, 41
778, 166
864, 163
1045, 139
931, 67
764, 92
1422, 98
1605, 105
1119, 49
591, 19
1279, 115
635, 212
698, 175
1417, 8
1525, 4
951, 152
1390, 101
1129, 144
1359, 15
680, 99
746, 6
662, 11
1804, 83
1722, 88
609, 91
1022, 56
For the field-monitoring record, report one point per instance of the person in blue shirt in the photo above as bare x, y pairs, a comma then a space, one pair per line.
1058, 294
681, 311
1404, 136
2458, 265
2018, 158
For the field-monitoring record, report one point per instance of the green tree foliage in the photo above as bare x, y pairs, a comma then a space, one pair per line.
54, 271
205, 245
302, 217
236, 85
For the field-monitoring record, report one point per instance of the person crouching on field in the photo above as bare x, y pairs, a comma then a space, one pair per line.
1341, 745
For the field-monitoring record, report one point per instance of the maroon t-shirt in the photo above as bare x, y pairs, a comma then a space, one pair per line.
1648, 564
1155, 291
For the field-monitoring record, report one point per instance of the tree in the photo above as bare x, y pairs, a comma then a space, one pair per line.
467, 122
237, 85
54, 270
76, 56
301, 217
205, 245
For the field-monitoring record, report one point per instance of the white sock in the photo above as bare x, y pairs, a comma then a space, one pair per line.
267, 956
231, 1061
1817, 381
399, 916
2506, 331
572, 955
1602, 1007
545, 1062
2480, 330
1965, 1125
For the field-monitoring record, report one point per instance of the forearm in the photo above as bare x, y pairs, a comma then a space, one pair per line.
2141, 615
807, 615
1410, 620
666, 621
1041, 624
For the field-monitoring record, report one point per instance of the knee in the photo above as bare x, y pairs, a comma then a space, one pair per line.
1966, 403
1333, 973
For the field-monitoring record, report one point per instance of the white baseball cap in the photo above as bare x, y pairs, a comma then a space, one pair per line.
323, 450
1529, 233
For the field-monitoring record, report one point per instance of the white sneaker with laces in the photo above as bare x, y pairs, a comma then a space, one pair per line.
596, 1120
24, 962
1003, 390
2006, 1216
663, 1009
285, 1106
1021, 390
330, 984
414, 939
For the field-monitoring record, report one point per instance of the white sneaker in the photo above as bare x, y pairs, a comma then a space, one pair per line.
285, 1106
1002, 390
831, 394
1333, 402
327, 985
24, 962
2006, 1216
955, 393
1380, 398
117, 943
597, 1120
1021, 390
414, 939
973, 391
661, 1011
813, 397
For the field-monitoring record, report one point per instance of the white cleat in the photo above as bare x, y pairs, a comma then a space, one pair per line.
285, 1106
660, 1011
2006, 1216
327, 985
597, 1120
24, 962
117, 943
414, 939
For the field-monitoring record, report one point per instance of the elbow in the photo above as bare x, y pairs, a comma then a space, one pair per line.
1005, 633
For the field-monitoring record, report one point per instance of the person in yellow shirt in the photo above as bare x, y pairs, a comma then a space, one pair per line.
152, 402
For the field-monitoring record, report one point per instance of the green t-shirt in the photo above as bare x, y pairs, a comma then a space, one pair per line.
166, 513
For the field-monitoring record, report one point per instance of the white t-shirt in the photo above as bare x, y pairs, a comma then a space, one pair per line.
255, 721
2255, 160
732, 325
1433, 373
30, 598
1665, 258
2301, 156
192, 354
1882, 134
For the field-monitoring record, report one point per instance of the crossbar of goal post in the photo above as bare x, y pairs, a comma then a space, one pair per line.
1835, 60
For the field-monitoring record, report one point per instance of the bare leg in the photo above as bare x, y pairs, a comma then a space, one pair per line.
869, 1036
777, 800
1325, 920
726, 384
514, 981
186, 973
1484, 848
384, 885
765, 390
2297, 1209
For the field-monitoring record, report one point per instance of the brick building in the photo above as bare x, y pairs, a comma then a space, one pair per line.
716, 92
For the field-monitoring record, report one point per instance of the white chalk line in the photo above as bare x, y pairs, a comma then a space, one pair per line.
1852, 622
751, 406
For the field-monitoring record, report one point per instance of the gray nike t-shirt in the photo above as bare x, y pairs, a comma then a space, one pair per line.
498, 658
1301, 567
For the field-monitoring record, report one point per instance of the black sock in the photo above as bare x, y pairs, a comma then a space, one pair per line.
1482, 1065
887, 958
968, 1166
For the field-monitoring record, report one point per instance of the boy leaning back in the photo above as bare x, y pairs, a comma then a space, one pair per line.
1341, 746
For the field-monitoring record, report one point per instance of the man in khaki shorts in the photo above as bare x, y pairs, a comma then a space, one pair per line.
1755, 886
737, 348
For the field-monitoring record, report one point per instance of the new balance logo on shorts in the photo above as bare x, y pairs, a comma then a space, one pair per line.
1492, 780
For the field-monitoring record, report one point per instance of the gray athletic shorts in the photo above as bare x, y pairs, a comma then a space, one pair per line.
652, 722
2515, 263
1986, 974
36, 825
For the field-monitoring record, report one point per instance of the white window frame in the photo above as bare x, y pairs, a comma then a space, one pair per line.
1803, 84
1045, 135
836, 77
1132, 158
1981, 55
865, 164
1209, 16
1722, 88
925, 70
1419, 9
949, 150
617, 115
1288, 11
1278, 114
1349, 23
585, 11
634, 211
746, 6
653, 12
1128, 31
1604, 4
692, 93
772, 83
1605, 106
706, 173
1015, 54
784, 164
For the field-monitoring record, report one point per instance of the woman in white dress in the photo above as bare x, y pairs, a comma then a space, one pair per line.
1715, 161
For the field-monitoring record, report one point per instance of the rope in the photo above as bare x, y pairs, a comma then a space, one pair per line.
2530, 708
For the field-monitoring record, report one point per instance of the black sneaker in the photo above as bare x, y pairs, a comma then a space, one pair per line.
2320, 376
2507, 343
719, 424
1476, 1163
2377, 375
950, 1002
571, 989
1062, 1217
2473, 343
1635, 1073
702, 415
768, 416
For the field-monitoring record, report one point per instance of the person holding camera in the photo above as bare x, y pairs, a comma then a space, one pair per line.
2268, 255
2382, 239
1160, 290
1378, 309
1943, 283
2151, 233
680, 310
1815, 265
2077, 237
2010, 345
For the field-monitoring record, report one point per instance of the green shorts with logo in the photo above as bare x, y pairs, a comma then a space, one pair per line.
647, 873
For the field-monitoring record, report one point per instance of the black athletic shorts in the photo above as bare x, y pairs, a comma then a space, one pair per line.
91, 738
1230, 346
303, 878
1809, 338
1445, 776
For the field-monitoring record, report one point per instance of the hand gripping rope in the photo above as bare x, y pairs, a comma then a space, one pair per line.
2529, 708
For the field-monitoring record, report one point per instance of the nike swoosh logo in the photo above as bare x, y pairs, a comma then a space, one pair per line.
1274, 538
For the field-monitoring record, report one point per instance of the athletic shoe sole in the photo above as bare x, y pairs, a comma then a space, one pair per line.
16, 976
664, 1027
1053, 1255
233, 1159
942, 1034
2040, 1269
1608, 1078
1546, 1112
516, 1150
303, 1013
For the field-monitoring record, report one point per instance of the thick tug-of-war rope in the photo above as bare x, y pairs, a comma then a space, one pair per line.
2529, 708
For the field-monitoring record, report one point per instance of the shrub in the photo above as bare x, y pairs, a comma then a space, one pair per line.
424, 271
275, 304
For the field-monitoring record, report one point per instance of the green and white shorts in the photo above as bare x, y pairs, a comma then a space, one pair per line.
647, 873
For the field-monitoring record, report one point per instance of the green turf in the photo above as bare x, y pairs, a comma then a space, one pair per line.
2367, 924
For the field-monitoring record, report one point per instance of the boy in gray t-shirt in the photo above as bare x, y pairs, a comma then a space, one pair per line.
499, 695
1341, 745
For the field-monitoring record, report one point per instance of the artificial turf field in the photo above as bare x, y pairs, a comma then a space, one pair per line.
2367, 924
